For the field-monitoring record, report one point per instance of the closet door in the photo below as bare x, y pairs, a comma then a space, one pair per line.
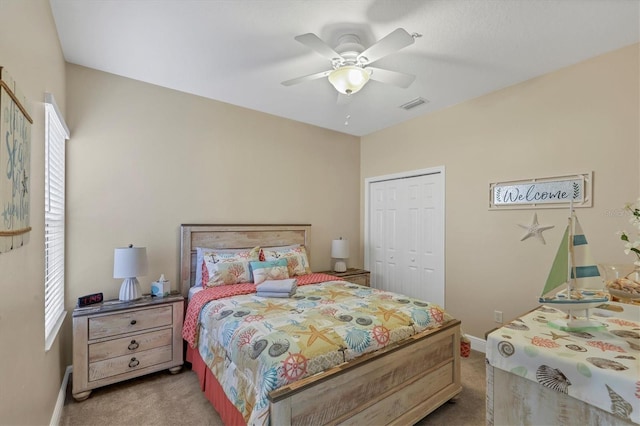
423, 243
387, 224
406, 236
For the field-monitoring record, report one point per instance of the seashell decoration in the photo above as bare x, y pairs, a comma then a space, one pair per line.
626, 357
619, 406
626, 334
278, 348
420, 317
516, 325
358, 340
581, 334
576, 348
225, 313
552, 378
607, 364
634, 346
506, 349
257, 348
363, 321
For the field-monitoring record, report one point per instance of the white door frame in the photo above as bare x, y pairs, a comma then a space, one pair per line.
402, 175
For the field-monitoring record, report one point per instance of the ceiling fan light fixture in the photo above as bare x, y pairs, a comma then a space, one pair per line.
349, 79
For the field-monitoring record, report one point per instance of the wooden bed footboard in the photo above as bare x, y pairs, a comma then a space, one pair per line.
398, 385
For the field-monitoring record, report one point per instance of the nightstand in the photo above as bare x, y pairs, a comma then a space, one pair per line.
115, 341
356, 276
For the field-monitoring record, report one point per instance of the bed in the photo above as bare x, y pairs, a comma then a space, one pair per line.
398, 383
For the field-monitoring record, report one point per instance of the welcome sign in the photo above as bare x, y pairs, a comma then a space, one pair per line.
542, 193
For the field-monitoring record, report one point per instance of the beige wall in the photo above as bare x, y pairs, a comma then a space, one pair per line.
579, 119
144, 159
29, 377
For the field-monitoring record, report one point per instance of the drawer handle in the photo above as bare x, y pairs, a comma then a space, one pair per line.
133, 345
134, 362
133, 322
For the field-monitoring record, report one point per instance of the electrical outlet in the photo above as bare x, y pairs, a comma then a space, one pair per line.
497, 316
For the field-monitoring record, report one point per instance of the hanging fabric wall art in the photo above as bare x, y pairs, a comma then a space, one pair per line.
15, 162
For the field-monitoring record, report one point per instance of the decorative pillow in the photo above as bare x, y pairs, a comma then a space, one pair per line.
200, 266
296, 256
223, 267
269, 270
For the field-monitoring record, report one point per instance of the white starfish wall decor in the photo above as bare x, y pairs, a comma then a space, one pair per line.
535, 230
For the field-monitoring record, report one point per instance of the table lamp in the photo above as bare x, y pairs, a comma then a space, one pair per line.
129, 263
340, 251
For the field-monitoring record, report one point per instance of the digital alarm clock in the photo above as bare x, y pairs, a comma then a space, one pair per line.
90, 299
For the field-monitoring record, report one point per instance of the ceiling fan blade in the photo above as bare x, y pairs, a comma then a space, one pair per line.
314, 42
395, 78
391, 43
306, 78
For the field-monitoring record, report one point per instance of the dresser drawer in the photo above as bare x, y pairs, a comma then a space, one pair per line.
126, 322
129, 345
126, 363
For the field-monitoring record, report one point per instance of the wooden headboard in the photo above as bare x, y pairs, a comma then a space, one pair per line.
233, 237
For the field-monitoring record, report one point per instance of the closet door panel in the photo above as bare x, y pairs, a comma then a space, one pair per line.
431, 237
392, 256
392, 236
411, 240
376, 240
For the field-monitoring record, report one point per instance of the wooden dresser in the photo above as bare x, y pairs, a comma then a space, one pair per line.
115, 341
356, 276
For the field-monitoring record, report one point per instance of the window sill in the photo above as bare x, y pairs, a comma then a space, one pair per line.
48, 340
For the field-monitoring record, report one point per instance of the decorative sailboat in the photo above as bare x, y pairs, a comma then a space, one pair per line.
574, 269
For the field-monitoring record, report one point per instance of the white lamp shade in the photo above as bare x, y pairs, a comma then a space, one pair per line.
129, 262
340, 249
349, 79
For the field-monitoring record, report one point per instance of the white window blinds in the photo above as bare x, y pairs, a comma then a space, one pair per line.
56, 133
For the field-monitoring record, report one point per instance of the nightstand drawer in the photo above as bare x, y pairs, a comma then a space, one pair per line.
126, 363
356, 276
112, 325
359, 279
129, 345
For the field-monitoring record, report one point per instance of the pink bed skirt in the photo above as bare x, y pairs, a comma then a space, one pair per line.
213, 391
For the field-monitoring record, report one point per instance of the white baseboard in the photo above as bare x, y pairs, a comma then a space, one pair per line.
57, 411
478, 344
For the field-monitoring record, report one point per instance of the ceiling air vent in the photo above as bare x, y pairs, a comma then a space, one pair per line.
414, 103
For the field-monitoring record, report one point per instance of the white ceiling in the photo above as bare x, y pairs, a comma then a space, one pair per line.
239, 51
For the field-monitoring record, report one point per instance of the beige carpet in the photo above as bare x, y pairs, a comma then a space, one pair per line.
165, 399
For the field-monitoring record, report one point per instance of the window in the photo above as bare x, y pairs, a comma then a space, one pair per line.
56, 133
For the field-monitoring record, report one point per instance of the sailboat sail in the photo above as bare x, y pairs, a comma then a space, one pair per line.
558, 273
585, 272
573, 266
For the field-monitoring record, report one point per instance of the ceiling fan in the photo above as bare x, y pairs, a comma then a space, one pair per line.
350, 61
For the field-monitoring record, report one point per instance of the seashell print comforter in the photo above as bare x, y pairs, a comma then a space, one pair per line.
254, 345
